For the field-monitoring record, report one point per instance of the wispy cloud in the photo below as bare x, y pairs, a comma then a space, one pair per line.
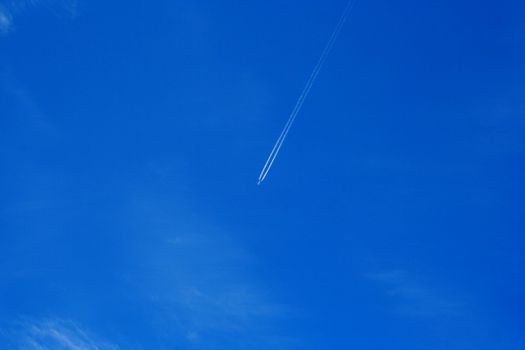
5, 20
54, 335
10, 9
454, 321
23, 105
201, 284
412, 297
204, 281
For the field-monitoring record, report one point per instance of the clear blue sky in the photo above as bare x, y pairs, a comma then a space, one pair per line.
132, 134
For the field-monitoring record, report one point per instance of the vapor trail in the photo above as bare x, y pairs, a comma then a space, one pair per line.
306, 90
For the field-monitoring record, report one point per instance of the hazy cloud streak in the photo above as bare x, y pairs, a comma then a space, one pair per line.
52, 334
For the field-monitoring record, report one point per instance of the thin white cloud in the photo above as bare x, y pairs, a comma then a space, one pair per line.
11, 9
24, 106
202, 286
209, 284
5, 20
57, 335
412, 297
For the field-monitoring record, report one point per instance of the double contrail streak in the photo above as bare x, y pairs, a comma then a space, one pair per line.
299, 104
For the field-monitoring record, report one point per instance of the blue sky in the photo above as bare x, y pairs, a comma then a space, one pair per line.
132, 134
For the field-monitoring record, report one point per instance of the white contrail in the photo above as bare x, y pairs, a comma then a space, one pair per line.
306, 91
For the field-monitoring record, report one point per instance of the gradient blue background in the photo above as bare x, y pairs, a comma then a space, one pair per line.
132, 134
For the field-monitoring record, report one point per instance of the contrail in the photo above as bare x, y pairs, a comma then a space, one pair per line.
309, 84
